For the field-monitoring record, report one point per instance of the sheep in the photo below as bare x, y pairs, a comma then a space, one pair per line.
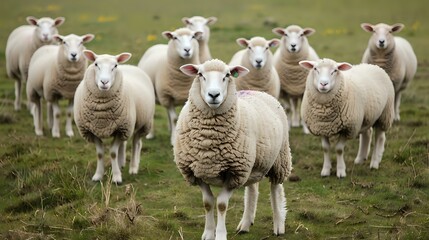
231, 139
201, 24
294, 47
114, 101
162, 62
22, 43
344, 101
258, 59
394, 54
55, 72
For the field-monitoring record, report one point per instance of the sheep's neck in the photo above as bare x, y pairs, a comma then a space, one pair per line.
383, 58
70, 74
292, 76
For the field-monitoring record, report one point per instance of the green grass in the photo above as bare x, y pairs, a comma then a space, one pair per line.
46, 190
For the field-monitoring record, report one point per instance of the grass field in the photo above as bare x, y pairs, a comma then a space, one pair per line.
46, 190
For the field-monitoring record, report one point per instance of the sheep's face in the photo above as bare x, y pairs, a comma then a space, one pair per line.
72, 45
214, 82
324, 73
258, 50
185, 42
106, 68
294, 37
200, 24
46, 27
382, 37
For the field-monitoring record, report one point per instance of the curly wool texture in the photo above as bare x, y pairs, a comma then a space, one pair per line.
361, 98
236, 144
264, 79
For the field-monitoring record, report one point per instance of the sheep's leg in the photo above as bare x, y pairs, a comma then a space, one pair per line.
99, 172
222, 206
377, 154
172, 118
364, 146
38, 117
294, 109
69, 121
122, 154
341, 166
56, 121
326, 170
278, 204
209, 201
250, 202
135, 155
116, 171
397, 104
50, 115
18, 90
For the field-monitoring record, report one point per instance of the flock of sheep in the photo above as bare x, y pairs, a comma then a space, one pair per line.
232, 130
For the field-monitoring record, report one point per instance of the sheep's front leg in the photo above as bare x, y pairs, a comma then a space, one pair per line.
18, 91
99, 172
116, 171
69, 121
294, 108
56, 121
364, 146
122, 154
377, 154
50, 116
250, 202
37, 117
209, 201
222, 207
135, 155
172, 118
326, 170
341, 166
278, 204
397, 104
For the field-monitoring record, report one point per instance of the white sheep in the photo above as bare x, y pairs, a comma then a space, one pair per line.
22, 43
294, 47
162, 62
345, 104
201, 24
258, 58
114, 101
394, 54
55, 72
232, 139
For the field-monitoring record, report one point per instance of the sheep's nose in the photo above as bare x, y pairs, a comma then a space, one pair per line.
323, 83
214, 95
187, 50
293, 45
258, 61
73, 55
104, 81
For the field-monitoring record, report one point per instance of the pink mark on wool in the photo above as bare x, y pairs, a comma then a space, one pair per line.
243, 93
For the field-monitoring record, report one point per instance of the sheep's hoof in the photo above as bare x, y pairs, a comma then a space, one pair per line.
117, 180
374, 165
341, 174
39, 133
70, 134
97, 177
325, 172
133, 171
359, 160
208, 235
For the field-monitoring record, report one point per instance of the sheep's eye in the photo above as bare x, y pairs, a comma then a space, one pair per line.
286, 35
249, 48
174, 38
95, 64
64, 42
333, 72
315, 69
266, 48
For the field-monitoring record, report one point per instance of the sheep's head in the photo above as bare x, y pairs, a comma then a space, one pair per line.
72, 45
382, 37
46, 27
200, 24
214, 77
106, 67
258, 50
184, 41
294, 37
324, 73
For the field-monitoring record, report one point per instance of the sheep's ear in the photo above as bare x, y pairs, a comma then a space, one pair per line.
211, 20
59, 21
32, 20
242, 42
90, 55
168, 35
308, 31
190, 69
273, 42
58, 38
307, 64
367, 27
397, 27
238, 71
123, 57
198, 35
87, 38
279, 31
344, 66
185, 20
